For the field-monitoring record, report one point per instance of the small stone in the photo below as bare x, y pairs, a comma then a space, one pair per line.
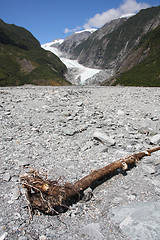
104, 138
22, 238
6, 177
148, 170
154, 118
157, 170
143, 130
92, 230
88, 193
79, 104
155, 139
66, 114
156, 182
117, 200
132, 197
24, 162
88, 145
125, 186
17, 215
15, 193
42, 237
147, 131
120, 113
3, 235
70, 131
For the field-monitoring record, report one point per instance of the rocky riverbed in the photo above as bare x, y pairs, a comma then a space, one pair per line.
57, 129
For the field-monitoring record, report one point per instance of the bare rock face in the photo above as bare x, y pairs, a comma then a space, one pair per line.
73, 41
26, 65
109, 46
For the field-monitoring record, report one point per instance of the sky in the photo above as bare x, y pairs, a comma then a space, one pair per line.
55, 19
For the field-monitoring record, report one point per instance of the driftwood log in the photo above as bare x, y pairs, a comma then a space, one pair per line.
49, 196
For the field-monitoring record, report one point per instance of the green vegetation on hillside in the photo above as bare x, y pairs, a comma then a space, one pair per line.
17, 36
23, 61
147, 72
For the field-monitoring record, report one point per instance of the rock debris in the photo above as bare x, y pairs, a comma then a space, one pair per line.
53, 129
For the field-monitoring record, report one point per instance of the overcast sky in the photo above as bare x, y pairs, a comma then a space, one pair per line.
54, 19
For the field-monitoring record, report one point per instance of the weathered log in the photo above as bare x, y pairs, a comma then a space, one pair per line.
48, 196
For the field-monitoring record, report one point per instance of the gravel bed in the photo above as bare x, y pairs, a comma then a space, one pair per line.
53, 129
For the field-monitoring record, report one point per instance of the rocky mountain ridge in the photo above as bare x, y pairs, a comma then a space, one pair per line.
108, 46
73, 40
117, 45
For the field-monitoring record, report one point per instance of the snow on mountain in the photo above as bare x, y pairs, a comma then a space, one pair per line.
127, 15
91, 30
51, 47
59, 41
77, 73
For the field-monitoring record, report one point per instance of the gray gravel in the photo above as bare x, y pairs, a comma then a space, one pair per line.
69, 131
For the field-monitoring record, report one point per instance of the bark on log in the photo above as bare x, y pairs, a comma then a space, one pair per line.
48, 196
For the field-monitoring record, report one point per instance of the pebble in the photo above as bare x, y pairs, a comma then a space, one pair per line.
24, 162
148, 169
15, 193
3, 235
22, 238
155, 139
120, 113
147, 131
88, 193
92, 230
6, 177
69, 131
42, 237
117, 200
104, 138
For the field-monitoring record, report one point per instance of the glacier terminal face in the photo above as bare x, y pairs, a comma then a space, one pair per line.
77, 73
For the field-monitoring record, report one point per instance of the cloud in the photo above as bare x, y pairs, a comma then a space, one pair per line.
127, 7
66, 30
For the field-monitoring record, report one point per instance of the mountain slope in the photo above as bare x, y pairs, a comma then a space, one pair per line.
142, 66
109, 49
23, 61
73, 40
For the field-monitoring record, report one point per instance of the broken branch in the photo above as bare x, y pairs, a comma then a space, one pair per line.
49, 196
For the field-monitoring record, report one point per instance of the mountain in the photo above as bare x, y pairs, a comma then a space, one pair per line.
73, 40
108, 46
23, 61
119, 46
142, 66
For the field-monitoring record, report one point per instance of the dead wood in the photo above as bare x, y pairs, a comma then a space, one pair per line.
49, 196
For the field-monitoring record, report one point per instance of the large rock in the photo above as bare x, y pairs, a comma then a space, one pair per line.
139, 220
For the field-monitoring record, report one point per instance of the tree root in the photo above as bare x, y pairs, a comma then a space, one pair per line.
50, 197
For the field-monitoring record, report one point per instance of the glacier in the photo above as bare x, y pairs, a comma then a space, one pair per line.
77, 73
